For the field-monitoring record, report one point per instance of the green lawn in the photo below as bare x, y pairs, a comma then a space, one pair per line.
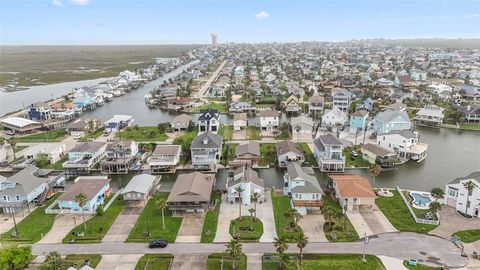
357, 161
221, 108
58, 166
154, 262
77, 260
32, 227
397, 213
268, 154
185, 140
420, 213
342, 227
226, 132
151, 217
209, 229
92, 136
243, 229
55, 135
228, 152
331, 261
146, 133
253, 133
469, 236
19, 148
97, 226
280, 205
214, 262
420, 267
307, 152
470, 126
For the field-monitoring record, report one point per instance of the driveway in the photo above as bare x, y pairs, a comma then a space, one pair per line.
191, 229
239, 134
254, 261
119, 262
451, 222
376, 221
312, 226
189, 262
124, 223
62, 225
359, 223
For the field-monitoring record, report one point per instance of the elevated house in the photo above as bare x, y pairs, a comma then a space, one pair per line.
463, 200
366, 105
120, 157
291, 105
302, 125
247, 179
301, 185
84, 126
402, 80
240, 107
287, 151
328, 151
405, 144
139, 188
118, 122
191, 193
181, 122
95, 188
354, 193
316, 104
209, 121
83, 158
431, 116
249, 151
165, 158
269, 120
391, 120
39, 111
52, 151
334, 118
240, 121
471, 113
358, 121
375, 154
206, 151
342, 100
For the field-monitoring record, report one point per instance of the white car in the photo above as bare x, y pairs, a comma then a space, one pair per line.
78, 136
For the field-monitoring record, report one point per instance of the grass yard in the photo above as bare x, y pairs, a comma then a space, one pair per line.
470, 126
243, 229
92, 136
151, 217
209, 229
32, 227
77, 260
226, 132
307, 152
154, 262
420, 267
355, 162
228, 152
469, 236
268, 154
280, 205
56, 135
146, 133
214, 262
58, 166
222, 108
420, 213
19, 148
331, 261
97, 226
341, 227
397, 213
253, 133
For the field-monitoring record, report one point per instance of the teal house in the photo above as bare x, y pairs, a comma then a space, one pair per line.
358, 121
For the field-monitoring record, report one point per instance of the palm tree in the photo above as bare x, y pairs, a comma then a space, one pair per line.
239, 190
283, 261
162, 204
328, 212
374, 171
298, 128
234, 249
437, 193
296, 216
281, 244
13, 142
469, 186
81, 199
255, 196
251, 211
54, 260
435, 207
302, 242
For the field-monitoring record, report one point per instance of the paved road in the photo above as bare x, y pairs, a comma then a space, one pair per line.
201, 93
427, 249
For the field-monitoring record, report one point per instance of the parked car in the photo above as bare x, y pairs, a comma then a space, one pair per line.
354, 154
78, 136
158, 243
10, 132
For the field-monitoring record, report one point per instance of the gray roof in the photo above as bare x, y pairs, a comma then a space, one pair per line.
240, 116
25, 182
294, 121
192, 187
287, 146
140, 183
327, 139
90, 147
207, 140
311, 183
431, 111
474, 175
268, 114
390, 115
376, 149
166, 150
184, 118
251, 147
343, 93
407, 133
248, 176
316, 98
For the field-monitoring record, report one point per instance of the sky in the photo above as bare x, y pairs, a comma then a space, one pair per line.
191, 21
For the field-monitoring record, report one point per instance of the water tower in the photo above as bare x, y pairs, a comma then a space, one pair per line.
214, 39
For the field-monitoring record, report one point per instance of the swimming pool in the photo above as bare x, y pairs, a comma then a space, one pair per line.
421, 199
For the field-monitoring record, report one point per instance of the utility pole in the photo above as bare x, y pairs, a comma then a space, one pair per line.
14, 220
365, 242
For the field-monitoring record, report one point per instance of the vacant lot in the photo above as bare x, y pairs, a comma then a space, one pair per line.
31, 65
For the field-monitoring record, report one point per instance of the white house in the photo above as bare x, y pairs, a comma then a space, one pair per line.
456, 194
165, 158
269, 120
209, 121
429, 116
53, 151
303, 187
342, 100
240, 121
334, 117
328, 151
248, 180
83, 157
405, 144
302, 125
206, 150
287, 151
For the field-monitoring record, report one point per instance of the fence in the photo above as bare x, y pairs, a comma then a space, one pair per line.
417, 220
51, 210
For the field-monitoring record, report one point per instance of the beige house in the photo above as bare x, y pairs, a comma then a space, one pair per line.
291, 105
181, 122
191, 193
353, 192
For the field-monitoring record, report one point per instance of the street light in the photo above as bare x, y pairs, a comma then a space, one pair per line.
365, 243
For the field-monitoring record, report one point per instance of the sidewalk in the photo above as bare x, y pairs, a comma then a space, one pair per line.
392, 263
254, 261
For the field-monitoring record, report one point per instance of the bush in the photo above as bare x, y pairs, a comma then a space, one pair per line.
100, 211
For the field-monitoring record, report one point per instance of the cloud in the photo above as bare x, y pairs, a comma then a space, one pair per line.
79, 2
474, 15
57, 3
262, 15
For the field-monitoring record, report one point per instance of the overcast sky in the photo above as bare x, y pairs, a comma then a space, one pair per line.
189, 21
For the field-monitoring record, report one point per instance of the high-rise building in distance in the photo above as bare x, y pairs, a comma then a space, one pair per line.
214, 39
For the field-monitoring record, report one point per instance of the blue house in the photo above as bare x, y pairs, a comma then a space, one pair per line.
391, 120
39, 111
118, 122
358, 121
84, 100
95, 188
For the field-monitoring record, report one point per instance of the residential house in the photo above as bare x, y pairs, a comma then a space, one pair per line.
139, 188
247, 179
206, 151
95, 188
302, 125
269, 120
354, 193
249, 151
464, 201
342, 100
120, 157
431, 116
391, 120
301, 185
191, 193
375, 154
181, 122
366, 105
471, 113
358, 121
209, 121
39, 111
20, 125
118, 122
328, 151
84, 126
316, 104
418, 75
334, 118
405, 143
240, 107
165, 158
402, 80
52, 151
291, 105
84, 100
183, 103
83, 158
287, 151
240, 121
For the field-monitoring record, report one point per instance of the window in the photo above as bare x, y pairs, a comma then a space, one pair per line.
355, 200
452, 192
17, 197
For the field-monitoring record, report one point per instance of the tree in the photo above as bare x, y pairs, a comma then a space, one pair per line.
328, 212
283, 260
81, 199
2, 142
437, 193
162, 204
13, 142
251, 211
469, 186
435, 207
302, 242
239, 190
13, 257
234, 250
374, 170
54, 260
281, 244
42, 160
254, 197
